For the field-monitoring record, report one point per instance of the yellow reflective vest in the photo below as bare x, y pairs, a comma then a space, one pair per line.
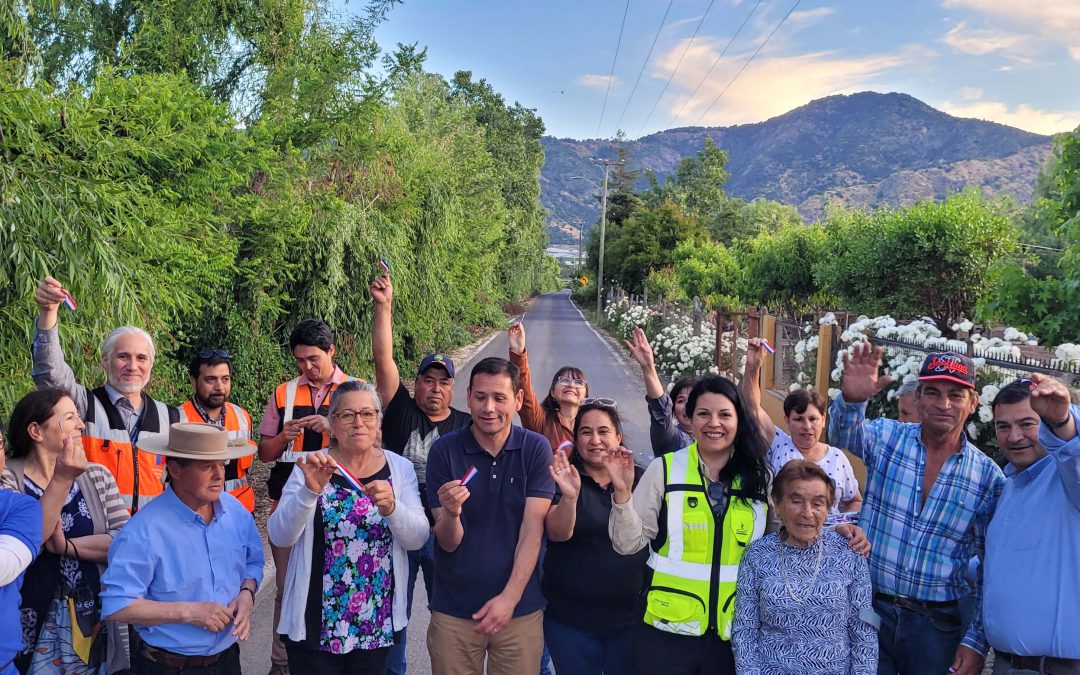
692, 591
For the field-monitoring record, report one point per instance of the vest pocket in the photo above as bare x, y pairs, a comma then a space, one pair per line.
675, 611
696, 538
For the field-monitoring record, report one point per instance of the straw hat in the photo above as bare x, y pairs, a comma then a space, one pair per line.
188, 440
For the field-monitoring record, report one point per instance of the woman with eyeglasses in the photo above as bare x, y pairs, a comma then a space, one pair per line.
591, 590
553, 417
696, 509
350, 513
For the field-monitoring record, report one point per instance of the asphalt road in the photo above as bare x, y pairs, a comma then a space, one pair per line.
556, 335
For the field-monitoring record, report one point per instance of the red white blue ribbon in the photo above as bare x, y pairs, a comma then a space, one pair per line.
351, 479
469, 475
69, 301
767, 347
385, 265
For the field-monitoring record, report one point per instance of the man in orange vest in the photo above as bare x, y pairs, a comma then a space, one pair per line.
118, 414
211, 384
295, 422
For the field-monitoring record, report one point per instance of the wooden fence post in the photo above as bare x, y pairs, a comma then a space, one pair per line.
825, 359
768, 365
698, 315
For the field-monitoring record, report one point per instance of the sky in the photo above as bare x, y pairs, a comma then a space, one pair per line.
1016, 62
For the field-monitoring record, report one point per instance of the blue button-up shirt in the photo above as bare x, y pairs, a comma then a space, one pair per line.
920, 550
1031, 605
167, 553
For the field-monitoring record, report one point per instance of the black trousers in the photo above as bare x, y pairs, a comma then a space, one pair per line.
656, 651
305, 661
228, 664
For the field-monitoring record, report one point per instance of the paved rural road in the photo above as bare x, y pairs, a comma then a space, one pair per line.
557, 335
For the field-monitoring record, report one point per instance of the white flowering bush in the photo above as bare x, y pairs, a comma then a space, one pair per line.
623, 317
680, 353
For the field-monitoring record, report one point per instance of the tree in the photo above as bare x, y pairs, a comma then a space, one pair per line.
933, 259
778, 268
647, 241
707, 270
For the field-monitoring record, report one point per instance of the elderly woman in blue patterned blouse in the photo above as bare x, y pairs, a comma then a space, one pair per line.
803, 601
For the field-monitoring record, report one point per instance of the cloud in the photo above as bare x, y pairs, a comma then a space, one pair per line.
1022, 116
769, 86
981, 41
811, 15
971, 93
598, 81
1056, 22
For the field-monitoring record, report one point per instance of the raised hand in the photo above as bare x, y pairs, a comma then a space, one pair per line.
382, 291
317, 468
1050, 399
211, 616
382, 495
620, 467
516, 336
71, 462
48, 294
451, 496
642, 351
860, 380
755, 355
566, 475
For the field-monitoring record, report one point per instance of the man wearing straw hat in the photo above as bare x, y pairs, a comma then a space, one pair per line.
185, 568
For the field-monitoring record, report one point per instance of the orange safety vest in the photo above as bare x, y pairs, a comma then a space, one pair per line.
293, 402
106, 441
238, 424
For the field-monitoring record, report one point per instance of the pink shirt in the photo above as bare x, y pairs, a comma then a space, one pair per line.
272, 419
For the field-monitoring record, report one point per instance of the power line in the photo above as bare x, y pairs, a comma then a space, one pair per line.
613, 62
676, 69
752, 56
716, 61
645, 63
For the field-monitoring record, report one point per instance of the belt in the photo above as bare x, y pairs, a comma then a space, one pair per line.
904, 601
179, 661
1051, 665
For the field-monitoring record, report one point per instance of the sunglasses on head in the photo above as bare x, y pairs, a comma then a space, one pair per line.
208, 353
603, 402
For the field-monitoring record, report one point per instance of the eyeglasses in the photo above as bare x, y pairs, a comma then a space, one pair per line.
603, 402
349, 416
208, 353
572, 381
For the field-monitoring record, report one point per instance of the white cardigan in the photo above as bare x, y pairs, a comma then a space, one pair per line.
292, 523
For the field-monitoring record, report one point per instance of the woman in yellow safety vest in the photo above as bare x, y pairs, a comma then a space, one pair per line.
697, 509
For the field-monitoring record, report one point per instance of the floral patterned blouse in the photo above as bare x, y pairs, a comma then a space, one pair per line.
351, 596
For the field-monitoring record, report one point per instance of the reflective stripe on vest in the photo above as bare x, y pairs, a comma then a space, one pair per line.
689, 575
106, 441
292, 387
235, 484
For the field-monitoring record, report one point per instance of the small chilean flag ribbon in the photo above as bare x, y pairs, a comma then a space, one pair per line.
385, 265
69, 301
469, 475
351, 479
767, 347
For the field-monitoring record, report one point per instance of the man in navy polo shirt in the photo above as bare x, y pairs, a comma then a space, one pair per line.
487, 600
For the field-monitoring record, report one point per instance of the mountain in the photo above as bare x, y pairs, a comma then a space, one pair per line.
862, 149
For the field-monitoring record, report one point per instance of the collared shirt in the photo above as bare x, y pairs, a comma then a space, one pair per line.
921, 550
491, 517
271, 420
220, 421
167, 553
20, 539
1030, 606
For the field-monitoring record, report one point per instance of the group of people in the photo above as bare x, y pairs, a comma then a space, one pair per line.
127, 541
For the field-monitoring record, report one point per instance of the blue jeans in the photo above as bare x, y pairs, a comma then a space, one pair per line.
911, 643
421, 559
579, 652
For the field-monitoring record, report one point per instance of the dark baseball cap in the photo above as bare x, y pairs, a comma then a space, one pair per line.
948, 366
440, 360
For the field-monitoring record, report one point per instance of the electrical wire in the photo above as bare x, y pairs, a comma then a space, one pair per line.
618, 44
676, 69
752, 56
646, 63
716, 61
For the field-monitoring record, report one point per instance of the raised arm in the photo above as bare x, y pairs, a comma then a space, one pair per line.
1058, 432
642, 351
751, 386
635, 516
531, 412
387, 376
562, 516
848, 427
49, 368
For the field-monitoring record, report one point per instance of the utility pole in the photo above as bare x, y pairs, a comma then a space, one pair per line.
607, 164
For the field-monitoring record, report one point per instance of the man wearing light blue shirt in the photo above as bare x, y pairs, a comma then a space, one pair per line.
185, 568
1031, 603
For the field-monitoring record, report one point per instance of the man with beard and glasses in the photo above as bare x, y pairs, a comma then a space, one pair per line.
211, 384
119, 414
410, 425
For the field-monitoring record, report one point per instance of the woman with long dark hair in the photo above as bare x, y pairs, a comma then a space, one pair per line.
82, 512
697, 509
553, 418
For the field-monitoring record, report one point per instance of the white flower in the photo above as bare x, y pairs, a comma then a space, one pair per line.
972, 430
828, 320
795, 386
833, 393
985, 414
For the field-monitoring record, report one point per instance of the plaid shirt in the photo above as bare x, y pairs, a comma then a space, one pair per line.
920, 551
